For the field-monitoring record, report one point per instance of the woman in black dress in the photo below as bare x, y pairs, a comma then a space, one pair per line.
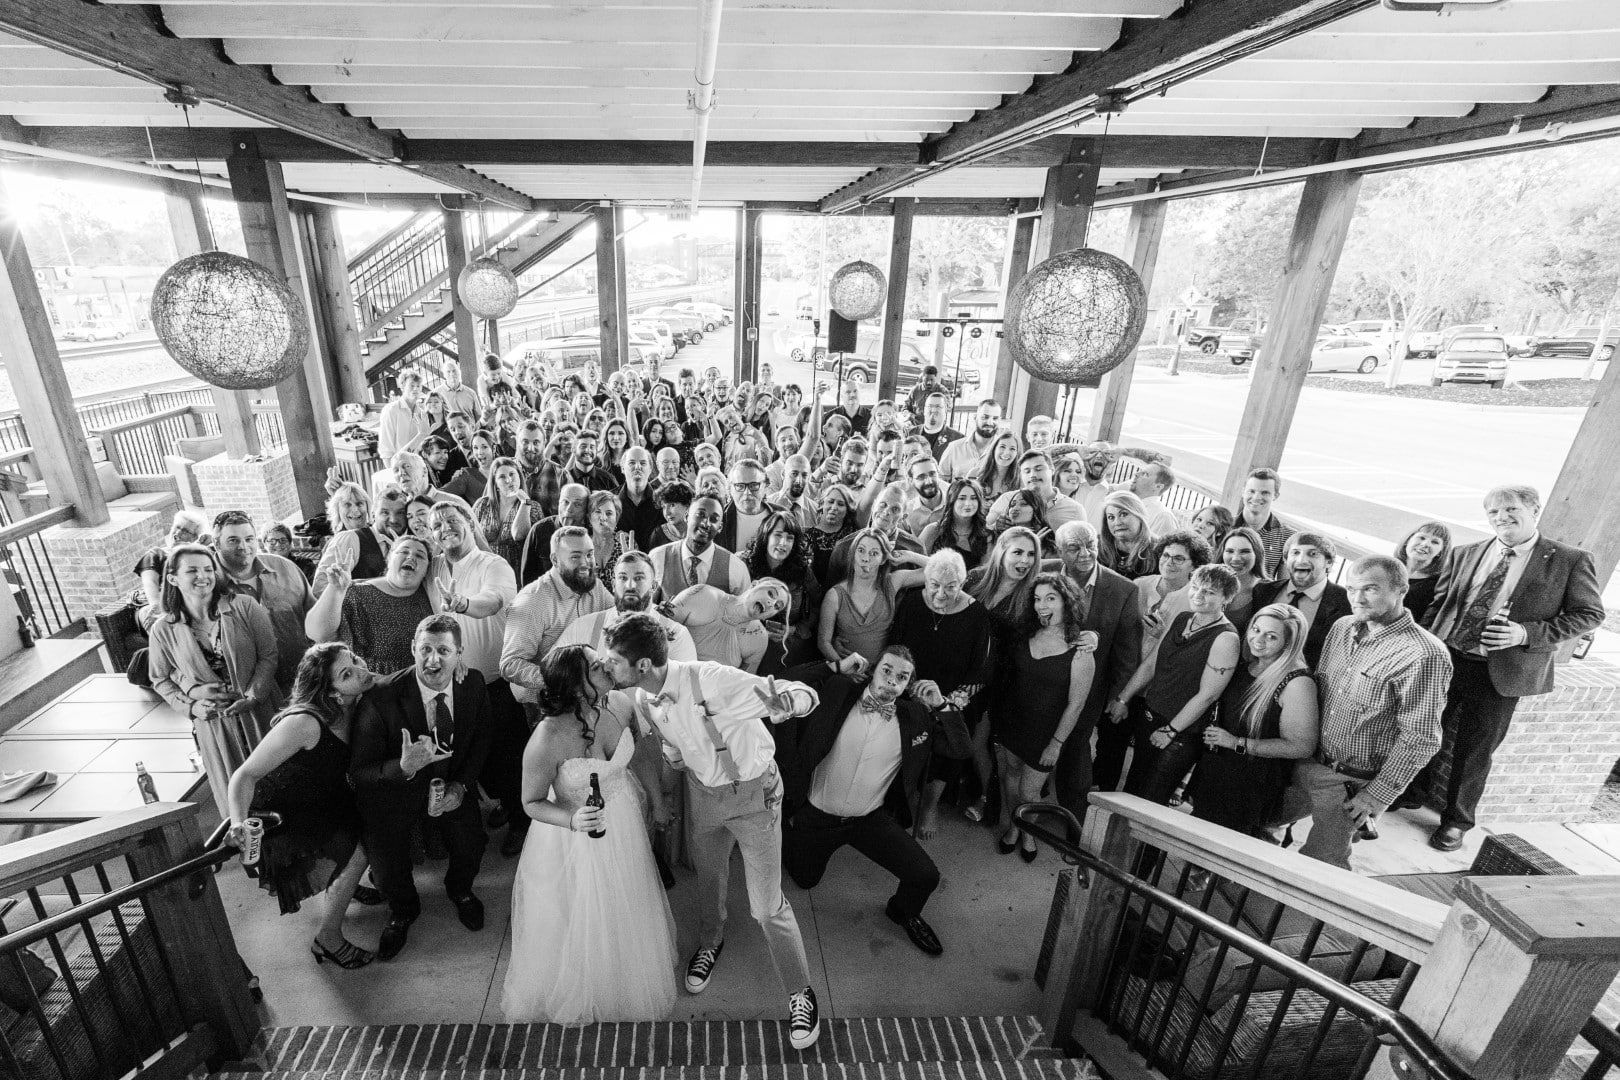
963, 526
301, 772
948, 633
1041, 686
1184, 676
1267, 720
780, 550
835, 519
1424, 551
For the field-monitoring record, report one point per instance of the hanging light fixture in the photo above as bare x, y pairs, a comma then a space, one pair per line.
1076, 316
857, 291
225, 319
487, 288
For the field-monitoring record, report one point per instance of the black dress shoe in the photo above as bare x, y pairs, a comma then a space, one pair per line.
1446, 838
470, 910
393, 938
921, 934
512, 842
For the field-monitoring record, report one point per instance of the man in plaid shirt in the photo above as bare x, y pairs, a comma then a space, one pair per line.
1383, 683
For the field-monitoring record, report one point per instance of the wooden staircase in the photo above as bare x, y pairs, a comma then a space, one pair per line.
404, 289
905, 1048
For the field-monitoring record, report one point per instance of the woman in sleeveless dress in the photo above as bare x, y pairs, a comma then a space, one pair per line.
301, 772
1267, 721
1183, 675
1042, 686
592, 935
857, 614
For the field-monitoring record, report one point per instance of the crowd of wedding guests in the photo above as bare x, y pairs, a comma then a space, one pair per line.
1050, 624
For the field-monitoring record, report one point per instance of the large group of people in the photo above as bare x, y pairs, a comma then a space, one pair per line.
634, 621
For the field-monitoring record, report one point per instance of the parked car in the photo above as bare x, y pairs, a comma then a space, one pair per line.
1476, 358
714, 315
643, 345
681, 323
1238, 346
1208, 338
1578, 342
568, 355
1347, 354
94, 331
862, 366
660, 332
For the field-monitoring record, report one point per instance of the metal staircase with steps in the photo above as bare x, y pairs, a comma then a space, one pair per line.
904, 1048
402, 284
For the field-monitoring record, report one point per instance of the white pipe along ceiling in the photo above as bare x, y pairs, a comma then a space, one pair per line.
701, 97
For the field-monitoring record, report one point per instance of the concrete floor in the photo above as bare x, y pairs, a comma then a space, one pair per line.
990, 912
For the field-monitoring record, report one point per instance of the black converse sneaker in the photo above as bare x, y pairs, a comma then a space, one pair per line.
700, 967
804, 1019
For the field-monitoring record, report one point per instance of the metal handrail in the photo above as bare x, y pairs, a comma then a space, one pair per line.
215, 851
1389, 1025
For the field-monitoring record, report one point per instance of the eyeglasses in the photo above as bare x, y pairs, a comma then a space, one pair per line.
751, 486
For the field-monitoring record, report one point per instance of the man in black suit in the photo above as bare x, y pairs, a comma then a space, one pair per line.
1502, 606
852, 769
1307, 557
1113, 613
416, 726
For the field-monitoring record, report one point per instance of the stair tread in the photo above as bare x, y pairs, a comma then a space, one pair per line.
616, 1046
988, 1069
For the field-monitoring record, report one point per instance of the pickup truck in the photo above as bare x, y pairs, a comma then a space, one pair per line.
1239, 346
1207, 339
1578, 342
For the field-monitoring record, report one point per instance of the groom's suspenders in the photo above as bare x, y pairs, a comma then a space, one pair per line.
722, 752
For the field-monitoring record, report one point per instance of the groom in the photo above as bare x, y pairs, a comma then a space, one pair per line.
712, 719
414, 727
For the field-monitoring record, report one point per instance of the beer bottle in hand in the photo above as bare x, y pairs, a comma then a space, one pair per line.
595, 799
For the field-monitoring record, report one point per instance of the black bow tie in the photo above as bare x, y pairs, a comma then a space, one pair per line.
885, 708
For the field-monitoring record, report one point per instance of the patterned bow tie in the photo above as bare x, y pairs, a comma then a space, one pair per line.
885, 708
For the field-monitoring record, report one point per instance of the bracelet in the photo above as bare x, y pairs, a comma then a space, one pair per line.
1241, 746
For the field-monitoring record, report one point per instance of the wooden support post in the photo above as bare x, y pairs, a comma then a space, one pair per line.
1143, 232
468, 347
28, 347
894, 310
261, 200
1019, 248
1518, 967
1065, 216
1080, 954
751, 254
1584, 507
492, 337
340, 319
611, 303
1320, 226
193, 233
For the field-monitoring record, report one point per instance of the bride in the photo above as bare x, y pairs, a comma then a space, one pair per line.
592, 935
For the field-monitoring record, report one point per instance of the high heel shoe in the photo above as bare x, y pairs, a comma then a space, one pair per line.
1005, 846
1028, 854
347, 956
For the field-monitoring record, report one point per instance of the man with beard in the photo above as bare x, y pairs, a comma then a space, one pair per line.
1306, 562
697, 559
1098, 458
888, 515
924, 499
537, 547
929, 385
850, 408
934, 428
1110, 608
747, 511
531, 458
851, 772
273, 581
961, 458
478, 593
793, 496
459, 427
581, 468
638, 510
634, 588
1035, 479
848, 468
545, 608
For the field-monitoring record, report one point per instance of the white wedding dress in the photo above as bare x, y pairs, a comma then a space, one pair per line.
592, 935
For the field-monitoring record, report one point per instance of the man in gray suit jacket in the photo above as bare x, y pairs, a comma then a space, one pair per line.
1502, 607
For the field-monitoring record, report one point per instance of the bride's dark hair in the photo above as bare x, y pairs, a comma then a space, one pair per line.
566, 670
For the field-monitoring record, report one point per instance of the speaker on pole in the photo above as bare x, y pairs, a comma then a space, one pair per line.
840, 333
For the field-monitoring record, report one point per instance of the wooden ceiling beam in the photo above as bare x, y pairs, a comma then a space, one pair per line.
1202, 36
131, 40
1560, 105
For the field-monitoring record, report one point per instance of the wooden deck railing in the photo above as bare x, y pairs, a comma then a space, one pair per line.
26, 569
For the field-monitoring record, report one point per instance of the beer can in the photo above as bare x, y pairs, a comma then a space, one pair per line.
435, 798
252, 841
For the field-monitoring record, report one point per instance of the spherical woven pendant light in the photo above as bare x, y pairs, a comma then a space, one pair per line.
1076, 316
857, 291
229, 321
487, 288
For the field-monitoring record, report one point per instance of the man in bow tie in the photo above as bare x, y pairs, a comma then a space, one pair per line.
715, 722
853, 769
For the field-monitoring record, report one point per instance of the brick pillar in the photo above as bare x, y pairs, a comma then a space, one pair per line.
95, 565
265, 489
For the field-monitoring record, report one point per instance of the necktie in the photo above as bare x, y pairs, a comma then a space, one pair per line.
1465, 635
884, 709
1295, 597
692, 570
444, 728
1085, 603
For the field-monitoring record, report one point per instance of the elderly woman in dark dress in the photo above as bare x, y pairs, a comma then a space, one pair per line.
378, 618
300, 771
948, 633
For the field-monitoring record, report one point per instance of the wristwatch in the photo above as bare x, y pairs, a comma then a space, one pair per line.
1241, 746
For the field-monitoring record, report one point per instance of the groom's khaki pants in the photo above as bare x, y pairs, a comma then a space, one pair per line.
747, 814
